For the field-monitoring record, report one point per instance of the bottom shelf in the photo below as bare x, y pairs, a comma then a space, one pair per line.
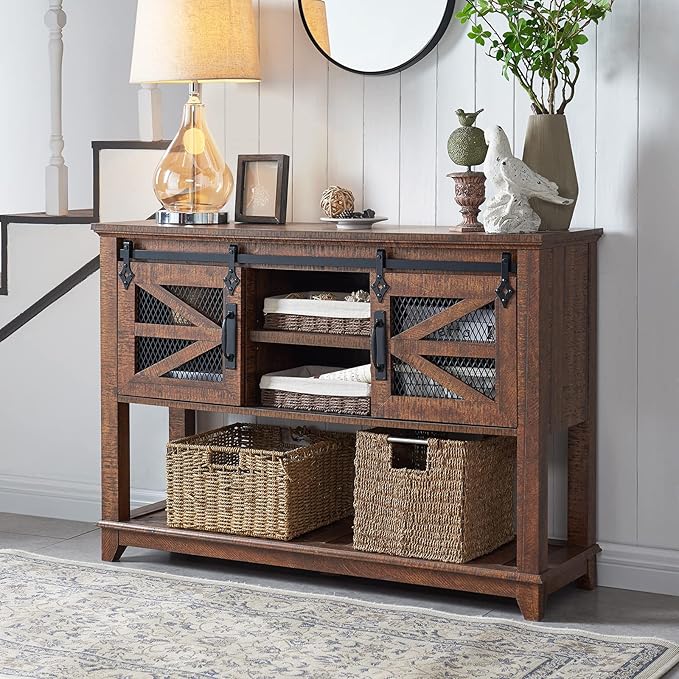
330, 550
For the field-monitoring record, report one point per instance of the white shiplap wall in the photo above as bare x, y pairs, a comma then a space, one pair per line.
385, 138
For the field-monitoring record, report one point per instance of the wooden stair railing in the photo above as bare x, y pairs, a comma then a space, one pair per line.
48, 299
73, 217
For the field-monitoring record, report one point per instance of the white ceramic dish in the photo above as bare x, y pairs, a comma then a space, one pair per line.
354, 223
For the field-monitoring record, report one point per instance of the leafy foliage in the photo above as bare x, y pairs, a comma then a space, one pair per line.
539, 45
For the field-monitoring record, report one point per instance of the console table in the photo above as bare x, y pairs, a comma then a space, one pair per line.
182, 327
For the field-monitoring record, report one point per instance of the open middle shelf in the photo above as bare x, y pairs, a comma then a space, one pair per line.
310, 339
330, 550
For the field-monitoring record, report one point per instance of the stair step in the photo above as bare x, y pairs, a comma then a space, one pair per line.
72, 217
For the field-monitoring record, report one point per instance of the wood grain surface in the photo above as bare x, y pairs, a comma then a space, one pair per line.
545, 359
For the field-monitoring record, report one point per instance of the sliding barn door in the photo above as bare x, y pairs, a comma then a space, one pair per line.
450, 355
179, 334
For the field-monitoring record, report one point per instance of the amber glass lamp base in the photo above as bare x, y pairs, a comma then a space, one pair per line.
192, 178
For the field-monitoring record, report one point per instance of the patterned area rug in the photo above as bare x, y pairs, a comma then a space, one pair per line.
65, 619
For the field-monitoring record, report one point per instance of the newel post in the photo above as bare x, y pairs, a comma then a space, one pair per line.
150, 123
56, 173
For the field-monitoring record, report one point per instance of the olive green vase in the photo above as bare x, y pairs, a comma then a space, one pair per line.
548, 151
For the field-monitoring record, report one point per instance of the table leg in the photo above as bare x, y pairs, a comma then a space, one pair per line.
531, 600
115, 472
531, 504
111, 549
582, 449
533, 439
182, 423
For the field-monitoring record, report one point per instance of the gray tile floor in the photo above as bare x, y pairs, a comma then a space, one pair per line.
606, 610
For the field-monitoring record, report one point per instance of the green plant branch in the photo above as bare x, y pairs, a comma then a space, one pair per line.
570, 83
540, 43
523, 81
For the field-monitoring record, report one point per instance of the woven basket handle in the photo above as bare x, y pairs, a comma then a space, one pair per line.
407, 441
386, 453
211, 465
438, 451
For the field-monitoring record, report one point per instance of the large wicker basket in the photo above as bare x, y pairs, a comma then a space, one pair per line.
451, 500
260, 480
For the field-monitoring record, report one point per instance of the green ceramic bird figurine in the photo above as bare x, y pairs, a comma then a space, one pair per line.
467, 119
467, 144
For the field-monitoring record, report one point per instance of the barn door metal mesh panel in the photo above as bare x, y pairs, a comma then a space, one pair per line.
152, 350
207, 301
409, 311
151, 310
408, 381
476, 326
478, 373
205, 368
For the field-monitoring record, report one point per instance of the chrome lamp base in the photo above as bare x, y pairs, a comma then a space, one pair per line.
191, 218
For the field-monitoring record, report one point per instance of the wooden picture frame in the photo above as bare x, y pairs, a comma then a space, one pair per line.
265, 202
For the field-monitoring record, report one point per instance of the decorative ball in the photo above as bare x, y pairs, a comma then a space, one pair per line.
336, 200
467, 144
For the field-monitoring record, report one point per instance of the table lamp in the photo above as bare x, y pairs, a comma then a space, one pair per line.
194, 41
316, 18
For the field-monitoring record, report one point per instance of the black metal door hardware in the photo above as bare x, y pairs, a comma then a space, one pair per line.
504, 291
231, 280
229, 335
380, 286
126, 275
378, 350
380, 263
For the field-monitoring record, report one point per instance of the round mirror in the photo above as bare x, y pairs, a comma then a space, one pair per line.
375, 37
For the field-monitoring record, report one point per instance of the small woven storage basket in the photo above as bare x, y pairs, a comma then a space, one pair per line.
331, 326
260, 480
457, 508
340, 405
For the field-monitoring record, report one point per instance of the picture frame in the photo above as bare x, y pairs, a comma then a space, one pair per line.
262, 188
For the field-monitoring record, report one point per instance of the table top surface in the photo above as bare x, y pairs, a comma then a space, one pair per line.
381, 233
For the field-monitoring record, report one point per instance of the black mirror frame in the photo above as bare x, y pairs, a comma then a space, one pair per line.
440, 31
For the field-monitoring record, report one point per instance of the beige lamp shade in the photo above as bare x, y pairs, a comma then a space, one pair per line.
194, 40
316, 19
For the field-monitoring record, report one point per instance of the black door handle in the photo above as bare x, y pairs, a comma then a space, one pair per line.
229, 335
379, 345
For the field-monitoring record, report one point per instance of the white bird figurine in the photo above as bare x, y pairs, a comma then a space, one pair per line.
515, 183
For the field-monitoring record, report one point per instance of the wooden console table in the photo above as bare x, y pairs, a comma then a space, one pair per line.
181, 327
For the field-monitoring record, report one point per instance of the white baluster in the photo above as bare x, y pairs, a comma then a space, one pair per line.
56, 174
150, 122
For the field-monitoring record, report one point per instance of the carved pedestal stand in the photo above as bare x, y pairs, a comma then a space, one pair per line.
470, 192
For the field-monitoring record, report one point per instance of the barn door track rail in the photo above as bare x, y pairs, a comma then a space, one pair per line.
381, 264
